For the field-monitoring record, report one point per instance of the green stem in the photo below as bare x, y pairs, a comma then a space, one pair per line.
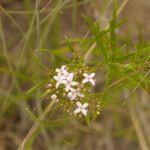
36, 126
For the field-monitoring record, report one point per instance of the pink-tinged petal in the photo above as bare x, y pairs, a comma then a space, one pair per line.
85, 105
84, 111
77, 110
68, 78
78, 104
92, 82
84, 81
64, 72
92, 75
53, 97
61, 77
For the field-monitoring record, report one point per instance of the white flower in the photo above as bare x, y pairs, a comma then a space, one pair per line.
81, 108
61, 76
74, 93
69, 84
62, 70
67, 76
59, 80
54, 97
64, 77
68, 81
89, 78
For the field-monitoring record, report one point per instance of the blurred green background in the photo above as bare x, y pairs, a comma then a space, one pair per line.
27, 26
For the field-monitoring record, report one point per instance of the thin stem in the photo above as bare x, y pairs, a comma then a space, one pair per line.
36, 125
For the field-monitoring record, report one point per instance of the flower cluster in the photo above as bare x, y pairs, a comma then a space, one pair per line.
71, 88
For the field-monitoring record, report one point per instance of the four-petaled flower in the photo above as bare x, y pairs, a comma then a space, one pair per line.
68, 82
67, 76
81, 108
59, 80
89, 78
74, 93
64, 77
54, 97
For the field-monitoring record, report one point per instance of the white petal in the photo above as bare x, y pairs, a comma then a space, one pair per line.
57, 70
85, 75
63, 67
84, 81
70, 94
70, 77
92, 75
53, 97
64, 72
73, 96
55, 77
80, 95
62, 77
67, 88
92, 82
85, 105
77, 110
78, 104
84, 111
71, 74
57, 85
72, 89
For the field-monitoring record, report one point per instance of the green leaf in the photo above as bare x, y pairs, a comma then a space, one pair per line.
36, 86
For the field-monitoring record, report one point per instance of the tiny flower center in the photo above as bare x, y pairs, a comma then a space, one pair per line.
81, 107
88, 78
68, 82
